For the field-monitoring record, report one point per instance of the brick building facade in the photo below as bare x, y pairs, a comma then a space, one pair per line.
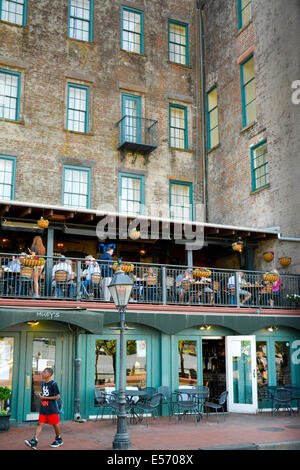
268, 32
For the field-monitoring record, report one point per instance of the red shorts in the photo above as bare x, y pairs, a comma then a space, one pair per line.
49, 419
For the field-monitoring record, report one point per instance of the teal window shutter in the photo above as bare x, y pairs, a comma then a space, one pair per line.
13, 11
7, 177
132, 34
178, 39
10, 90
80, 21
178, 127
181, 200
78, 108
131, 193
76, 186
259, 165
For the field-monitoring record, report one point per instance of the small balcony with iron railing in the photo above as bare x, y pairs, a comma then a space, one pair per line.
136, 134
76, 279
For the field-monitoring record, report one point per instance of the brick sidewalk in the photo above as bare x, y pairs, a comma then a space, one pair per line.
237, 430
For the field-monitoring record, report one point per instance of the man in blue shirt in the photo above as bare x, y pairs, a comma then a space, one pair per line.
106, 263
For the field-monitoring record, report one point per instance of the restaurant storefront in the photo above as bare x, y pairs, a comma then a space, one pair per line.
238, 354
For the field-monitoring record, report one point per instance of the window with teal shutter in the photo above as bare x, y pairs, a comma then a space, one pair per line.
248, 89
259, 165
178, 126
78, 108
212, 119
132, 34
178, 42
7, 177
181, 200
76, 186
131, 193
81, 20
10, 86
244, 12
13, 11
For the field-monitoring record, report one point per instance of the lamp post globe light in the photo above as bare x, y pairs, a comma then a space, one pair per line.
120, 289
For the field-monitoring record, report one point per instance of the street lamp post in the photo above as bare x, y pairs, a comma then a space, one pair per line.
120, 289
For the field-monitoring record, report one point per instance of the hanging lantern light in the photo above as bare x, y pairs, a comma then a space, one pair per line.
134, 234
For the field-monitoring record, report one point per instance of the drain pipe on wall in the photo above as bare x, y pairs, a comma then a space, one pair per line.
200, 4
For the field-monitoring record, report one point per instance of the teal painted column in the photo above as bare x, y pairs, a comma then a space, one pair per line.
77, 364
49, 265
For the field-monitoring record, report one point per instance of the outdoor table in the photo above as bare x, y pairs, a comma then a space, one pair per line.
131, 394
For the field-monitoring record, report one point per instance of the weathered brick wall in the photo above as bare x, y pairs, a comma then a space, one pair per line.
273, 35
48, 60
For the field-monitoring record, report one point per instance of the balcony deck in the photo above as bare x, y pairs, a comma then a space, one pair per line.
72, 283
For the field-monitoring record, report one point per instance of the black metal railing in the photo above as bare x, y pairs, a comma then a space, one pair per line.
77, 279
138, 134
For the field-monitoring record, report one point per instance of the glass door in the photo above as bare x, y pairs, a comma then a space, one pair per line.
131, 124
241, 374
44, 351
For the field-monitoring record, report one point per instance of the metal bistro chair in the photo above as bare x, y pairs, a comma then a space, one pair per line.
282, 397
100, 402
96, 285
202, 399
167, 399
150, 405
264, 396
150, 391
187, 406
218, 405
113, 403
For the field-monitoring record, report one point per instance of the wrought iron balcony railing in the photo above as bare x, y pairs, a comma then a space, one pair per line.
75, 279
138, 134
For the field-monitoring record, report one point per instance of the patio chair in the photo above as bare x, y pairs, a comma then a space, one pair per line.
150, 391
96, 285
166, 399
26, 280
202, 399
219, 405
264, 396
150, 405
61, 283
282, 398
295, 389
100, 402
187, 405
113, 403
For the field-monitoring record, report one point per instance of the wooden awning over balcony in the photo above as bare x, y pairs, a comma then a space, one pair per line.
23, 216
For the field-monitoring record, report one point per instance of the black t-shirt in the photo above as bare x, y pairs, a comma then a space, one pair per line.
49, 407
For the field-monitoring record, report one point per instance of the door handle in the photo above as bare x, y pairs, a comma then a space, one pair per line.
27, 382
254, 373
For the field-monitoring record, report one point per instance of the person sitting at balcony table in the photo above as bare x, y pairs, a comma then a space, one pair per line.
151, 283
106, 271
242, 283
37, 249
63, 265
275, 290
186, 276
92, 268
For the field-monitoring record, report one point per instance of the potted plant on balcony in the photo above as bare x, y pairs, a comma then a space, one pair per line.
32, 261
270, 277
201, 272
238, 246
5, 393
285, 261
268, 256
43, 223
126, 267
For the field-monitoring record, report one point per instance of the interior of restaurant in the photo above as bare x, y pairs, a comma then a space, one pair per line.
142, 251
